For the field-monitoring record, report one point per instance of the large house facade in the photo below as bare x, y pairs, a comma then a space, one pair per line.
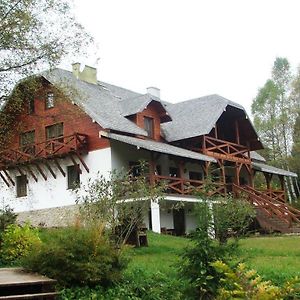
75, 127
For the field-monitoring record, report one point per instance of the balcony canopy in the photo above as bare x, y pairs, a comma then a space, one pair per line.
273, 170
158, 147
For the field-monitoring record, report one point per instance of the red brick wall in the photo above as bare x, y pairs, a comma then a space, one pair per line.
73, 118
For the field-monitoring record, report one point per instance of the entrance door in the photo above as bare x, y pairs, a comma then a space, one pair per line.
179, 221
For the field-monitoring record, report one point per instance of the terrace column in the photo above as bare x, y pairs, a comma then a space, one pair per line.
155, 217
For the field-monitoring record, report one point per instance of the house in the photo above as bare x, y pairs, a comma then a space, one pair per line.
75, 126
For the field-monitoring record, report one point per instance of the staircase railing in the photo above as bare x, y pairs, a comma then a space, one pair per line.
268, 205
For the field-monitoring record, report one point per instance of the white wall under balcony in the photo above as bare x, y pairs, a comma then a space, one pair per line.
54, 192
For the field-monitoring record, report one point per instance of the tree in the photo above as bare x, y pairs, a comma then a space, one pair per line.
118, 202
35, 34
275, 110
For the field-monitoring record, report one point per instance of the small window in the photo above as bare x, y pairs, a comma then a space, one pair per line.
27, 142
31, 106
21, 182
149, 126
73, 176
54, 131
49, 100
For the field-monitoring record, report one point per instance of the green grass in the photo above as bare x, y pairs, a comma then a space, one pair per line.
276, 258
161, 255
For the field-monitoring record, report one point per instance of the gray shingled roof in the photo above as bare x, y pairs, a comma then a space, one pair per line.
255, 156
100, 101
195, 117
158, 147
270, 169
138, 104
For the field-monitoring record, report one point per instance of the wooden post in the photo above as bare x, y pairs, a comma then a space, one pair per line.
152, 169
268, 178
216, 131
237, 132
181, 174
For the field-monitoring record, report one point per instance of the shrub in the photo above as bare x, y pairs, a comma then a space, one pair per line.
240, 283
221, 216
7, 217
78, 256
17, 242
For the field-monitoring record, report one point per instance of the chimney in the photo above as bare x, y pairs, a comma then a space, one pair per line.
89, 74
76, 69
154, 91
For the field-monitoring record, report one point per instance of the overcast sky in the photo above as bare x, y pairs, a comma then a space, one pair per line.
191, 48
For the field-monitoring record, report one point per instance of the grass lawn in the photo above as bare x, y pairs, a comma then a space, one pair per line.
161, 255
274, 257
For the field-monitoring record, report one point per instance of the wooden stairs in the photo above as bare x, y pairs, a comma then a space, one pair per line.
15, 284
272, 215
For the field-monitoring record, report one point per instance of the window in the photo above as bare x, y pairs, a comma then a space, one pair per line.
149, 126
21, 185
49, 100
27, 142
73, 176
31, 105
55, 131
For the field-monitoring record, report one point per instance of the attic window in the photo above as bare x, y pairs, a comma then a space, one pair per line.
49, 100
55, 131
149, 126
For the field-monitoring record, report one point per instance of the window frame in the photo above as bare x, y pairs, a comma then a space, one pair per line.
53, 137
21, 186
25, 146
149, 126
50, 100
31, 106
73, 177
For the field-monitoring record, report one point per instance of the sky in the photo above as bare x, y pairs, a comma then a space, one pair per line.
190, 48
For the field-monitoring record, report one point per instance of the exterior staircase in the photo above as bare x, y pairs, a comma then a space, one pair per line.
15, 284
271, 214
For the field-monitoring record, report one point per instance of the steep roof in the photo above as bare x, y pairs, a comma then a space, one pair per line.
270, 169
100, 101
195, 117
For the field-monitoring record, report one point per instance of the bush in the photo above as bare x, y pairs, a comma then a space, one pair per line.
240, 283
17, 242
78, 256
220, 217
7, 217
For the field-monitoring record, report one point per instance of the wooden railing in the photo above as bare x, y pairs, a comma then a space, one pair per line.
183, 186
274, 194
268, 205
52, 148
225, 150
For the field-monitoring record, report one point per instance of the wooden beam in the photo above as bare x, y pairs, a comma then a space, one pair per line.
9, 178
237, 132
82, 162
216, 131
4, 179
76, 164
31, 173
59, 167
20, 171
41, 171
49, 168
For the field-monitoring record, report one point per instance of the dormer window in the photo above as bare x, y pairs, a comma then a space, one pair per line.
149, 126
49, 100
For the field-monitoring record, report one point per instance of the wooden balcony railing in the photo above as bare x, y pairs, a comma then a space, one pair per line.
225, 150
75, 143
183, 186
268, 205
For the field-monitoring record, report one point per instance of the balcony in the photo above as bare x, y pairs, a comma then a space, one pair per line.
183, 186
55, 148
225, 150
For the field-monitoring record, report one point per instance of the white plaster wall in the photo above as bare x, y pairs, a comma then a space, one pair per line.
54, 192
